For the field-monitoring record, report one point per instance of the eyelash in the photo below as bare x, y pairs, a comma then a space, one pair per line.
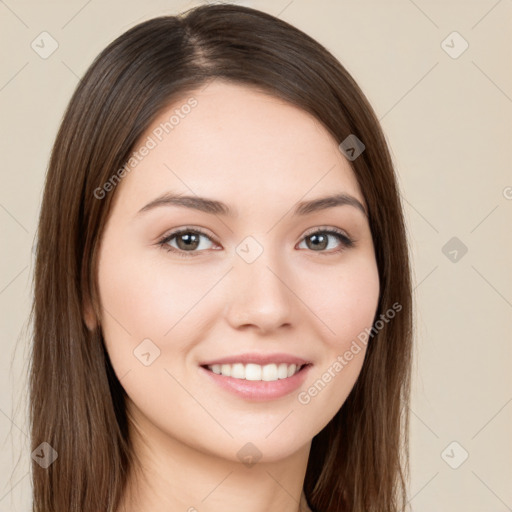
346, 242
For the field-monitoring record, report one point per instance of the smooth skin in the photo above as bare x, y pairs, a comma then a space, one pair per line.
260, 156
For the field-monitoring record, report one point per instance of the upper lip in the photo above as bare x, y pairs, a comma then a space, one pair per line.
261, 359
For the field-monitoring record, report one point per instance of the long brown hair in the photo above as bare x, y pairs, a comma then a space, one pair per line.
359, 461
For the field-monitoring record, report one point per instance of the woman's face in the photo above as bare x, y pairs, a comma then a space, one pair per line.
261, 288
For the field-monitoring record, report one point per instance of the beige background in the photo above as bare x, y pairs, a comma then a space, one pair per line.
448, 121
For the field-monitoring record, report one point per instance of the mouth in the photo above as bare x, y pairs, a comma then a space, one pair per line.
256, 372
270, 378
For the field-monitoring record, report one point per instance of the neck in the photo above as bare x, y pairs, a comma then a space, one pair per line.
174, 476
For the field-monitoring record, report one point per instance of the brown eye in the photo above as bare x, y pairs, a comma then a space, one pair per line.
320, 240
186, 242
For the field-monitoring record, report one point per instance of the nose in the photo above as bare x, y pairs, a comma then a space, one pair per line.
260, 296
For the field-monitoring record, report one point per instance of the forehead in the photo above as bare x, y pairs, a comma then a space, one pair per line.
238, 144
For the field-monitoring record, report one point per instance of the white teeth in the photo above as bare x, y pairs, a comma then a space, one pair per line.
251, 371
226, 370
238, 371
282, 371
269, 372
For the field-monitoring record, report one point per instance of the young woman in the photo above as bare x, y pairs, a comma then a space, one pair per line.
222, 306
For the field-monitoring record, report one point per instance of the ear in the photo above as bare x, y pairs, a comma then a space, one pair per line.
89, 315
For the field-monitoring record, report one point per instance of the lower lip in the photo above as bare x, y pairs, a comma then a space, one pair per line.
258, 389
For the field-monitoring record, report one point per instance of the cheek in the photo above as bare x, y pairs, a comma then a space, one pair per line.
345, 301
147, 298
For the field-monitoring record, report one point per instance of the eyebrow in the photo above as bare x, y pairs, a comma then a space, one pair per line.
215, 207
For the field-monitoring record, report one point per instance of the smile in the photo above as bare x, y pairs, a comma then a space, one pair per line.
267, 379
256, 372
